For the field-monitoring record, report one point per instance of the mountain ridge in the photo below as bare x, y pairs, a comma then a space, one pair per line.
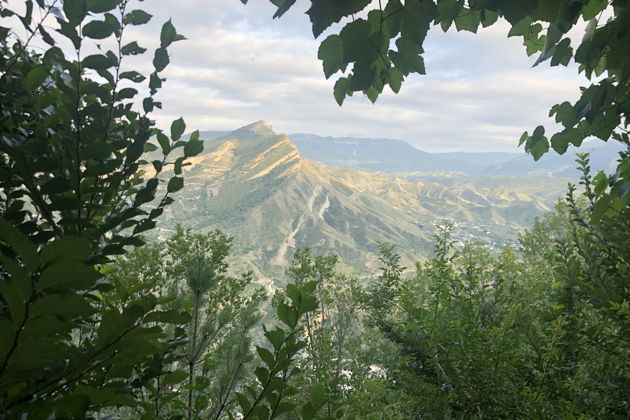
256, 185
397, 157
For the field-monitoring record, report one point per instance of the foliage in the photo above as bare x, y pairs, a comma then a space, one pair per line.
196, 376
328, 328
539, 335
381, 43
211, 372
267, 399
342, 374
72, 195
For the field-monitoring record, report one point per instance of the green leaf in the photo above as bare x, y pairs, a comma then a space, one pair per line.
560, 141
262, 374
168, 35
137, 17
145, 195
562, 53
166, 317
101, 6
56, 185
160, 59
600, 181
97, 29
357, 45
283, 6
149, 147
68, 274
134, 76
604, 124
22, 246
36, 77
324, 13
66, 249
341, 89
362, 77
164, 143
592, 8
553, 36
565, 114
75, 11
293, 292
287, 314
488, 18
132, 48
126, 93
266, 356
98, 151
61, 304
243, 402
178, 165
308, 412
523, 138
193, 148
175, 377
175, 184
98, 62
372, 94
448, 10
407, 59
468, 20
537, 144
284, 407
15, 290
275, 337
331, 53
45, 35
260, 412
395, 78
521, 28
317, 395
308, 304
601, 206
624, 189
70, 32
177, 128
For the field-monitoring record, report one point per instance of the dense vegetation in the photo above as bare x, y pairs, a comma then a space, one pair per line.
95, 325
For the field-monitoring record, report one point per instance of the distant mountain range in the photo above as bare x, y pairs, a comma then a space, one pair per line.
258, 187
397, 157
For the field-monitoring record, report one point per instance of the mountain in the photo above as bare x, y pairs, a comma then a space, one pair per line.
256, 186
603, 156
390, 156
399, 158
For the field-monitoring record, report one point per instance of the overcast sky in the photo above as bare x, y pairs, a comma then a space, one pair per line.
238, 66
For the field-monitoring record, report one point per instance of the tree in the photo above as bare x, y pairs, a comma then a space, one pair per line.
72, 194
534, 335
193, 377
385, 45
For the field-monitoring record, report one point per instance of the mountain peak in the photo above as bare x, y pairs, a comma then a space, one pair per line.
262, 127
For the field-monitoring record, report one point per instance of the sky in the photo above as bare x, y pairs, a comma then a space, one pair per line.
238, 65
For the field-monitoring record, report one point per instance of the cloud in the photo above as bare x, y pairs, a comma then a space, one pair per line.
238, 66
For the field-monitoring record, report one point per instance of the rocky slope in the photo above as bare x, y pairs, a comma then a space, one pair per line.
256, 186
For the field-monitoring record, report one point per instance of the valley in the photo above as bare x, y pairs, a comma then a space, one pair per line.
256, 186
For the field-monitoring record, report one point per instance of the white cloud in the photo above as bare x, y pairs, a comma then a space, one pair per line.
238, 66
